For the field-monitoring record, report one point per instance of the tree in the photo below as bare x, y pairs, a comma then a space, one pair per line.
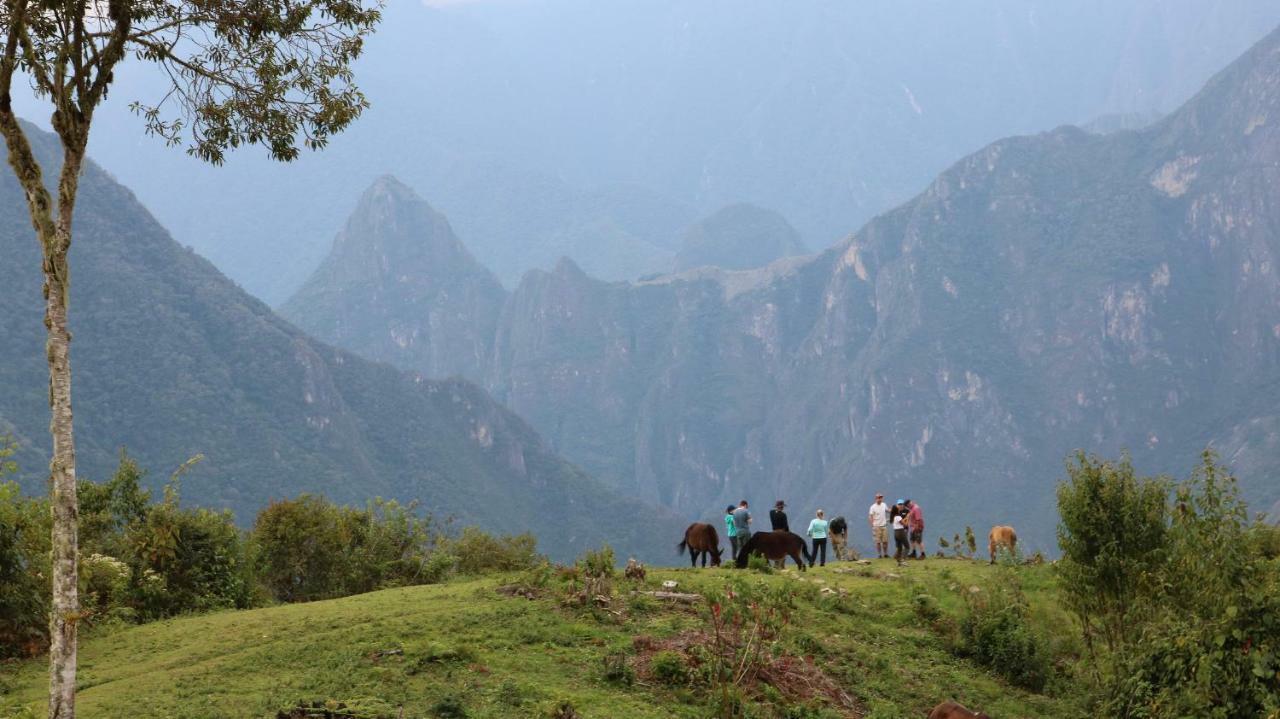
269, 72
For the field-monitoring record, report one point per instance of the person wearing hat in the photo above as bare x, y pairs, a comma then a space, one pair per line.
778, 522
778, 518
898, 517
878, 520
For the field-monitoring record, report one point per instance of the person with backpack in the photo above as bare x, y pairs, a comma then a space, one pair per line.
838, 530
818, 533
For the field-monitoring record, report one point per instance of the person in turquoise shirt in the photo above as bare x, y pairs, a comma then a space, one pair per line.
818, 532
731, 530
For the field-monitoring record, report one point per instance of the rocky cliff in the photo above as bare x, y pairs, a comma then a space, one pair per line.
1052, 292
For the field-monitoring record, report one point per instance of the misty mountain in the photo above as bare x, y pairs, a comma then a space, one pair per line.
172, 359
598, 130
1051, 292
738, 237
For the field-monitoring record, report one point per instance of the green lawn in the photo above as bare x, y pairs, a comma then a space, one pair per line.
502, 656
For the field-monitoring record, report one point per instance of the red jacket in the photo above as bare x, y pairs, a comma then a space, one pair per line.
915, 518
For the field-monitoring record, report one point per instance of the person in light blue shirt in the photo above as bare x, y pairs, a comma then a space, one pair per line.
818, 533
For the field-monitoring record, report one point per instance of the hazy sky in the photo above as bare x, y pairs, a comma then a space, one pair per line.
590, 127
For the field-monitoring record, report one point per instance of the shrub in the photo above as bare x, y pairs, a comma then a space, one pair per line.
669, 668
478, 552
996, 632
24, 572
617, 670
757, 563
449, 707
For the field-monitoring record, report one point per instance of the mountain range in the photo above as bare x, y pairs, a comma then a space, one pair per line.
1112, 292
601, 130
172, 359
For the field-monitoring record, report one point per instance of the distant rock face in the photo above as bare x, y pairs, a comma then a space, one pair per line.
172, 359
1048, 293
738, 237
401, 286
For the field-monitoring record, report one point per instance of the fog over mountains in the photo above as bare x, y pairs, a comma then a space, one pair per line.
1049, 292
601, 130
172, 359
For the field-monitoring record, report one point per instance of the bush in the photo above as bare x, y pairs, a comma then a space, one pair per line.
309, 548
996, 632
24, 573
617, 670
1112, 533
669, 668
479, 553
449, 707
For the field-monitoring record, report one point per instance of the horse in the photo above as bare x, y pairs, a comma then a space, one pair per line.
1001, 537
775, 545
701, 538
951, 710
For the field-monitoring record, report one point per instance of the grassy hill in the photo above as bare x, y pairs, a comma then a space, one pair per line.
466, 649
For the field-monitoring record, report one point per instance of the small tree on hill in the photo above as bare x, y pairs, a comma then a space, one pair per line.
1112, 533
269, 72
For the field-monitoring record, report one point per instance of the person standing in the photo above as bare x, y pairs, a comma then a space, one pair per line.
778, 517
878, 520
818, 533
838, 530
730, 530
915, 527
900, 542
778, 522
742, 523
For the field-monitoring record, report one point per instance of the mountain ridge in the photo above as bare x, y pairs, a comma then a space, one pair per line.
1043, 294
172, 359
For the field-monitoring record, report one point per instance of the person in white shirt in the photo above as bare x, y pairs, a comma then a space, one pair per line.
878, 520
899, 519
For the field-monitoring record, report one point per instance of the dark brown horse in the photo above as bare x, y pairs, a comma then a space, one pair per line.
951, 710
775, 545
702, 539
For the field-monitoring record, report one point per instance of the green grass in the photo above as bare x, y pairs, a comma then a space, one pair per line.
502, 656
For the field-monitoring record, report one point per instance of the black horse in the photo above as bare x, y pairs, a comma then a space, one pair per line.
776, 545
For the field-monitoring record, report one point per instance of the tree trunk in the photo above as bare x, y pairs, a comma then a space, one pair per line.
54, 237
65, 505
66, 601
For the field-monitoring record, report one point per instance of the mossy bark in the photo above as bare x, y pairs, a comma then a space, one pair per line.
53, 232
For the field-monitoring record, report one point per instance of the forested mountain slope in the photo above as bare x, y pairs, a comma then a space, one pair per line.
172, 359
1051, 292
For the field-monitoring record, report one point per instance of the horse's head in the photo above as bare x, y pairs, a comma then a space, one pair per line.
715, 556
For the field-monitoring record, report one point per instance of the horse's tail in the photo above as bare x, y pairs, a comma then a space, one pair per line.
804, 549
682, 545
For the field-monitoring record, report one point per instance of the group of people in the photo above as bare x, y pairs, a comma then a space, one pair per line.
905, 517
907, 520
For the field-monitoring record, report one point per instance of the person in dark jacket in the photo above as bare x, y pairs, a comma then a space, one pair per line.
778, 523
778, 517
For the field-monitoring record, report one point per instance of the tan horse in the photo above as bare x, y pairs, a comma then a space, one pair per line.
951, 710
1001, 536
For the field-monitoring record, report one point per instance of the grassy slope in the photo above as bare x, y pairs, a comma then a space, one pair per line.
528, 653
